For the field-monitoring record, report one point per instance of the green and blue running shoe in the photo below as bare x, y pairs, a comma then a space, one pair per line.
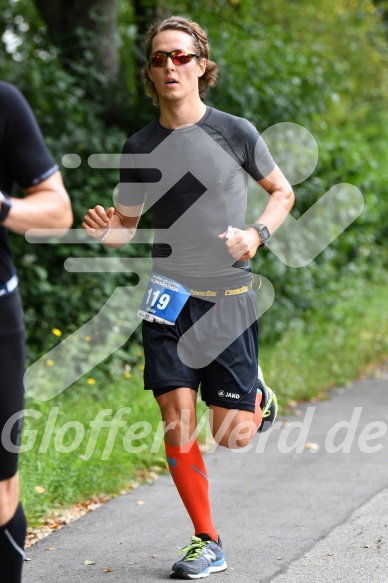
202, 558
269, 403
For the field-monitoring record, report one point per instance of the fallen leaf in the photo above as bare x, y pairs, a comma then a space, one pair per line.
40, 489
55, 522
89, 563
51, 549
312, 446
108, 570
140, 502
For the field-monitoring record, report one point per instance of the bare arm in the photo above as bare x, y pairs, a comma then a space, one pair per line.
114, 228
244, 244
46, 206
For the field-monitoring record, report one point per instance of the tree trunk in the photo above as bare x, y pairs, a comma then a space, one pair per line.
84, 31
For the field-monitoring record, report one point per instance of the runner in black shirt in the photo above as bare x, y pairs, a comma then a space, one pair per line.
24, 160
190, 169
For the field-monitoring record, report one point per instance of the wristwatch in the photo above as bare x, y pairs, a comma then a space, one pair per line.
5, 207
263, 232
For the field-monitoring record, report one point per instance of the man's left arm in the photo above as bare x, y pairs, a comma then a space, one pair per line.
244, 244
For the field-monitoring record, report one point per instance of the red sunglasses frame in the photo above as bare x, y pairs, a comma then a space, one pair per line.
173, 56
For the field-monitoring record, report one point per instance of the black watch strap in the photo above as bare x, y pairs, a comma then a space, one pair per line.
5, 207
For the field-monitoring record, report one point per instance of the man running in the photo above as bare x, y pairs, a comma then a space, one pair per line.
200, 318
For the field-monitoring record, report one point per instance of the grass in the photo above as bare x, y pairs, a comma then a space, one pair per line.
54, 478
328, 348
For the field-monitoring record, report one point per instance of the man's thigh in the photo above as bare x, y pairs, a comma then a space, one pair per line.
163, 365
230, 380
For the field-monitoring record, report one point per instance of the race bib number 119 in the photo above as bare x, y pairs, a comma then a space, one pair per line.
163, 300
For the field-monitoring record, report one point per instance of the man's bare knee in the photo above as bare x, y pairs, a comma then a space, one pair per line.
237, 435
233, 443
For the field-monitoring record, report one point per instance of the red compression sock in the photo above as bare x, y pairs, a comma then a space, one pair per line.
188, 471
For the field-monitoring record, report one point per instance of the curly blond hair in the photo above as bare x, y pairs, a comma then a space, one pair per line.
208, 79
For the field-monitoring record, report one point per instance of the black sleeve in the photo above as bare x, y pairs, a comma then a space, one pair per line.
258, 161
27, 158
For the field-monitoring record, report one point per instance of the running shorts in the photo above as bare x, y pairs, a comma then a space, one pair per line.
228, 379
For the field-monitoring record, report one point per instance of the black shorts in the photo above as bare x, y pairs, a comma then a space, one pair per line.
12, 365
227, 379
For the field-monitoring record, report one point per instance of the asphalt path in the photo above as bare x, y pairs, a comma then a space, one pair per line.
307, 502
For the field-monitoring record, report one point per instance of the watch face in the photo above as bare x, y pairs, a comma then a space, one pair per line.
265, 233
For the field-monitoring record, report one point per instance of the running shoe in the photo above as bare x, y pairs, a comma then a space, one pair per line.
202, 558
269, 403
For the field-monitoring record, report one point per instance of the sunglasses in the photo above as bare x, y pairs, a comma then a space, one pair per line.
159, 58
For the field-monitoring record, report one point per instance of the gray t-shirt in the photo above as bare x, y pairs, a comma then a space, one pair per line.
194, 182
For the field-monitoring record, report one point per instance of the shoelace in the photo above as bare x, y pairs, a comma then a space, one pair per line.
266, 412
194, 549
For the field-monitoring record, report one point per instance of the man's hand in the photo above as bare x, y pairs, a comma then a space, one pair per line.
243, 244
98, 220
114, 228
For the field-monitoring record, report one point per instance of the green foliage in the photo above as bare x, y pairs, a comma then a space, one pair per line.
71, 123
358, 251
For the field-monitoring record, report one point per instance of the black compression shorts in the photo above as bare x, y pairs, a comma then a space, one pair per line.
12, 365
230, 379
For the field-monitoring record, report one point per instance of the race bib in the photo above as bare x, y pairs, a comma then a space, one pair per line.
163, 300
